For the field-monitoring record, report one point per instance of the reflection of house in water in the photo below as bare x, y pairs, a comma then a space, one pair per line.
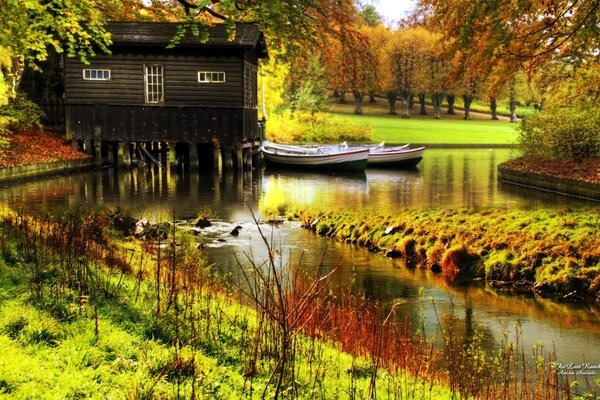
194, 99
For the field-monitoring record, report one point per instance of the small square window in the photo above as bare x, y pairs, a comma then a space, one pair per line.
203, 77
211, 77
96, 74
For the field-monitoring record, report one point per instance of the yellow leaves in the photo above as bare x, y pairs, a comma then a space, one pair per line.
272, 78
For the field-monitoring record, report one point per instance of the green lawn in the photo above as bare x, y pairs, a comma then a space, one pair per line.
393, 129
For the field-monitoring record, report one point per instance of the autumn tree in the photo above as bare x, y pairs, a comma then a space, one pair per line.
409, 52
529, 30
404, 62
32, 29
468, 79
377, 37
509, 36
437, 69
370, 16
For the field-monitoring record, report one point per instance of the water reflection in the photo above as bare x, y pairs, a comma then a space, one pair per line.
445, 178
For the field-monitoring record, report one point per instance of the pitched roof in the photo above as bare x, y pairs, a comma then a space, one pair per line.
160, 34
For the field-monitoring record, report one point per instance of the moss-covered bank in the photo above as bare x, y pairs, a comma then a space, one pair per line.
547, 252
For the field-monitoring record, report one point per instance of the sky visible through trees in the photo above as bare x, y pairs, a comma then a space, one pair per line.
393, 10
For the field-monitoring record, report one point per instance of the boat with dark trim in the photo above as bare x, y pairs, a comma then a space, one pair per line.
379, 155
395, 156
325, 158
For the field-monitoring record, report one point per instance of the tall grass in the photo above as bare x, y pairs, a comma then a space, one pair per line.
85, 313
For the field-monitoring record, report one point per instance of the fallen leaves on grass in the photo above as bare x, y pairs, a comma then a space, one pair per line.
588, 170
36, 147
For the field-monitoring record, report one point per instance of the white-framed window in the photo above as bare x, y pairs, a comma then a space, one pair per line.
96, 74
211, 77
154, 83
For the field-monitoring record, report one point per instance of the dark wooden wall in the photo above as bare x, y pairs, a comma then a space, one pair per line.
181, 85
162, 123
191, 112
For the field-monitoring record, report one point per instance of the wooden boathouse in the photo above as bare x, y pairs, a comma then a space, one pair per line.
194, 102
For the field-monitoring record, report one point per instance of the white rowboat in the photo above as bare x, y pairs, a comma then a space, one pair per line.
379, 154
315, 158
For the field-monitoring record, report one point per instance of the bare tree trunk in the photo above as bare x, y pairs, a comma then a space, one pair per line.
467, 100
405, 105
358, 99
450, 99
411, 101
493, 107
423, 110
513, 101
342, 97
392, 96
13, 75
372, 97
437, 105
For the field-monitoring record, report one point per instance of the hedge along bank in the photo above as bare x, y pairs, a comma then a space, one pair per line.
546, 252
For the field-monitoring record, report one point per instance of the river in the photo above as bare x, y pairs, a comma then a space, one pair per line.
445, 178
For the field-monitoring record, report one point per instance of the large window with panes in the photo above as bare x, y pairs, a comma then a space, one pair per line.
154, 82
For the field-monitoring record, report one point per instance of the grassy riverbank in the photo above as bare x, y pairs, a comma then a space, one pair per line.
88, 313
555, 253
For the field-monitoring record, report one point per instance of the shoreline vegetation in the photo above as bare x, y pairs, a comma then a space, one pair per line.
552, 253
89, 310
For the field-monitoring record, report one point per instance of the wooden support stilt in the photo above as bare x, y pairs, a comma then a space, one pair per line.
194, 162
239, 158
172, 155
98, 152
97, 145
76, 144
111, 152
216, 160
248, 158
227, 157
142, 161
88, 147
257, 159
124, 154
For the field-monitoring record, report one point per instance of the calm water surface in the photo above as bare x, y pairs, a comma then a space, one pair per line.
445, 178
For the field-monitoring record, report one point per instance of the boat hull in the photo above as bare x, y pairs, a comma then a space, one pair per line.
399, 159
354, 160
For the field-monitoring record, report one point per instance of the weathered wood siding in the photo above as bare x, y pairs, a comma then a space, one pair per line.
156, 123
126, 84
191, 111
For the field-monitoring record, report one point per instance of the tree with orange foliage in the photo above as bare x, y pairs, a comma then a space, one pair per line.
351, 63
437, 69
531, 31
508, 36
406, 53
